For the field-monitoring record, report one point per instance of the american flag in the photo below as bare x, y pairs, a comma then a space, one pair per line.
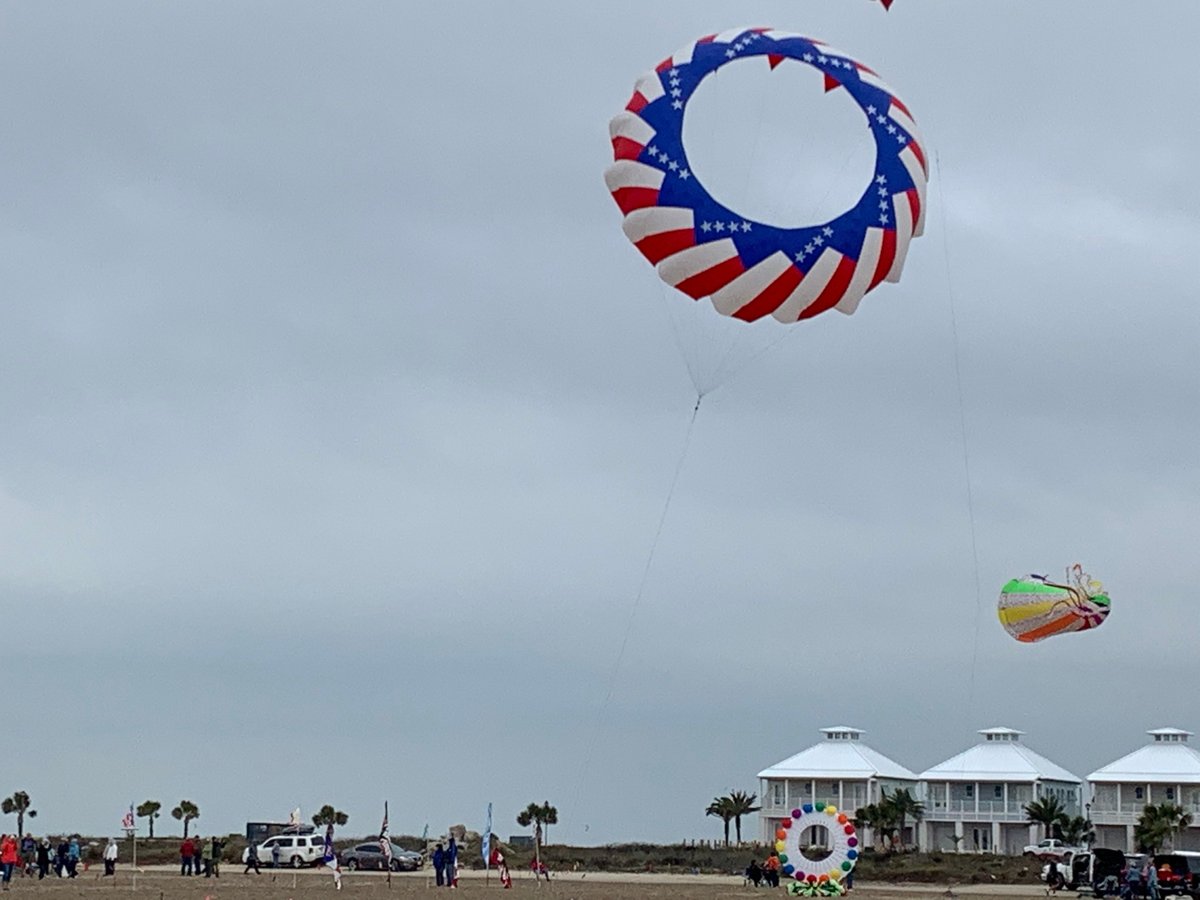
127, 820
385, 839
751, 269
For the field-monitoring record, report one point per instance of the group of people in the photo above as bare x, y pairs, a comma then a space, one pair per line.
197, 856
29, 855
767, 873
1142, 881
445, 864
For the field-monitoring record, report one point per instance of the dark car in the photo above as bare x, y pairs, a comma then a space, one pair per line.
371, 856
1178, 873
1107, 874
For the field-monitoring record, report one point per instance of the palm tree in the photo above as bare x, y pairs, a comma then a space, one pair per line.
1158, 826
149, 810
1077, 830
881, 819
743, 805
327, 815
722, 808
186, 810
549, 817
1047, 812
18, 803
1175, 818
902, 804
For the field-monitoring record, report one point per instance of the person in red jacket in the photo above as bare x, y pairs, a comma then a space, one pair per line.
8, 857
186, 851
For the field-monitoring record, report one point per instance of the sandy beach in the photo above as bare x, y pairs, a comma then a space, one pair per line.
164, 883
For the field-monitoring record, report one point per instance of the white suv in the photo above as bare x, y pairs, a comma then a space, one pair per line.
295, 850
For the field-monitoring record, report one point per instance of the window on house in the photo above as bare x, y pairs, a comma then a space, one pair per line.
1170, 793
998, 792
970, 792
1139, 793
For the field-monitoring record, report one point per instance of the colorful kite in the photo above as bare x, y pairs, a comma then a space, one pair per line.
1034, 608
749, 268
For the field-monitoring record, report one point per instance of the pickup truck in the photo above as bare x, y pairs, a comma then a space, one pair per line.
1051, 847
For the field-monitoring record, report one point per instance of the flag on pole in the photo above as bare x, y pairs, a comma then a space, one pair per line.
127, 820
294, 818
385, 839
487, 840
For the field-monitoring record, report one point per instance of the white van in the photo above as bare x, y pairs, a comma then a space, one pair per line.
295, 850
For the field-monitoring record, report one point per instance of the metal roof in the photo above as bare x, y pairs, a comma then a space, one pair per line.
847, 759
1167, 759
1001, 757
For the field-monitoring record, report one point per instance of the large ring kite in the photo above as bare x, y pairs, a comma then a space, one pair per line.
748, 268
841, 860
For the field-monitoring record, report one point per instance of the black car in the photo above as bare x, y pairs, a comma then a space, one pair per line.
371, 856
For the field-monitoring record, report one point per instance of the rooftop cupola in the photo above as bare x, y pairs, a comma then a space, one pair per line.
1169, 735
842, 733
1001, 734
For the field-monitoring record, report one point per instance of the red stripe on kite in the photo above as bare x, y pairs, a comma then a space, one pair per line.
631, 198
657, 247
775, 59
914, 203
637, 102
887, 255
916, 148
702, 284
830, 82
834, 291
772, 296
626, 148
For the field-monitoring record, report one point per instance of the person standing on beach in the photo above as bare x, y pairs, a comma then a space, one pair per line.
452, 863
439, 864
8, 858
252, 860
186, 850
28, 854
275, 851
197, 854
218, 850
60, 857
73, 856
110, 857
206, 856
43, 858
1150, 877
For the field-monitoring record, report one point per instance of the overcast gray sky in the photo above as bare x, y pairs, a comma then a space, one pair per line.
338, 415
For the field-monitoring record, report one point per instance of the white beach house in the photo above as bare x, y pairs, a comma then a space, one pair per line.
841, 770
980, 795
1166, 770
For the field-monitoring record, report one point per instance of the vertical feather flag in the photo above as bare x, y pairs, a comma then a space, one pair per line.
487, 840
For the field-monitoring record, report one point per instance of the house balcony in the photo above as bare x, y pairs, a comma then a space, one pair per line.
974, 811
1129, 813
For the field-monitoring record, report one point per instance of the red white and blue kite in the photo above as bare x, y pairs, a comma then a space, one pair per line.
750, 269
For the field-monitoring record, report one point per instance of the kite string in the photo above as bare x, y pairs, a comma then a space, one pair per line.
962, 425
637, 602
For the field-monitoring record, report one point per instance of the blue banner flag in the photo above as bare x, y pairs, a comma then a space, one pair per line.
487, 840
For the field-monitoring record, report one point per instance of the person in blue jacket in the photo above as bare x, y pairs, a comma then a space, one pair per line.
439, 862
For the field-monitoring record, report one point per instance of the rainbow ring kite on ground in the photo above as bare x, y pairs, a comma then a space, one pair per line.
842, 836
748, 268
